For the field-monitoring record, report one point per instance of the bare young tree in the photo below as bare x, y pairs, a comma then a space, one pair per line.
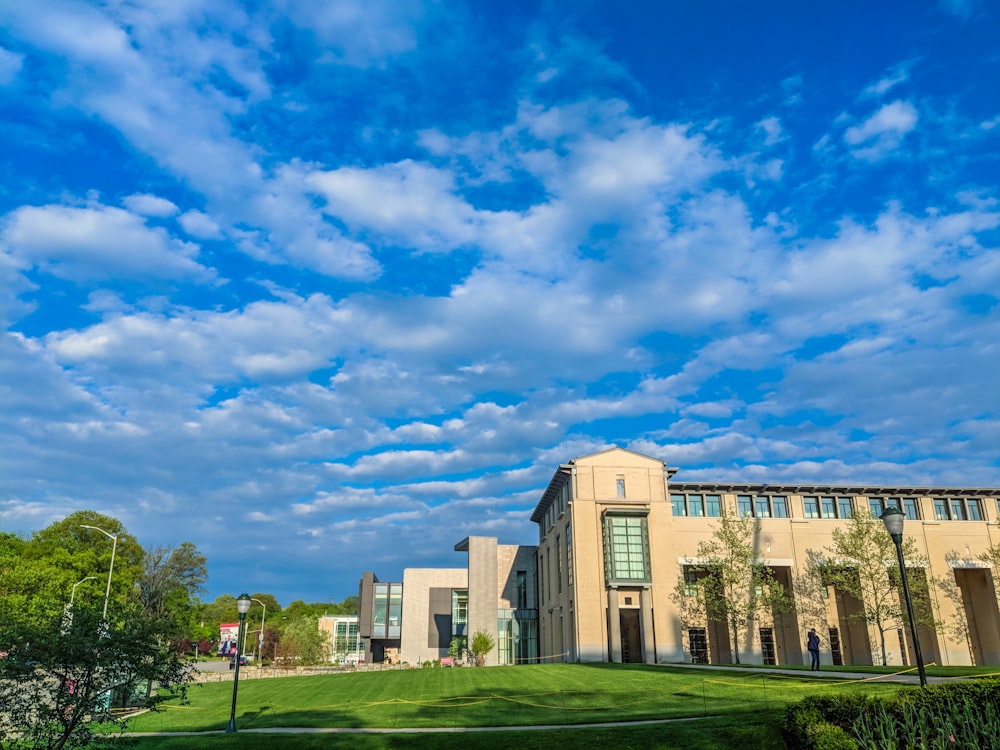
862, 562
736, 585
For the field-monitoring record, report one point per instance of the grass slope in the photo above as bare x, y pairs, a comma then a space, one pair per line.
744, 708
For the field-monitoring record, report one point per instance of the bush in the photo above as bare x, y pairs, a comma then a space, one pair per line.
952, 715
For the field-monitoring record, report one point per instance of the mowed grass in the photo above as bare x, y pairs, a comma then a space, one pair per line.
745, 708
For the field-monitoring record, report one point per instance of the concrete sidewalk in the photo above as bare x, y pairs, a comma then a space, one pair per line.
910, 677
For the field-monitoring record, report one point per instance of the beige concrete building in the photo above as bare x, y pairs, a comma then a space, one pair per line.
415, 621
618, 544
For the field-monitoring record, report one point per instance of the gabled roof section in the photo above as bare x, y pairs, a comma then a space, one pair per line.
617, 449
565, 472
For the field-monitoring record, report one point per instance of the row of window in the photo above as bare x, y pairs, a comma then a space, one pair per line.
814, 506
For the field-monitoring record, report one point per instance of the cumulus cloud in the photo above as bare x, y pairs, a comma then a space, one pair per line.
97, 242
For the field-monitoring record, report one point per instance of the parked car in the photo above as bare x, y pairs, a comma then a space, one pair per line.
232, 661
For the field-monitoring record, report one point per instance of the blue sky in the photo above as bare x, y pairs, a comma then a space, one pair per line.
327, 287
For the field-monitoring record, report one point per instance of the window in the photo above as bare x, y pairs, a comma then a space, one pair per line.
679, 504
811, 505
626, 548
713, 506
763, 507
395, 611
958, 510
779, 506
387, 610
522, 589
910, 509
876, 505
696, 505
827, 507
558, 567
620, 485
845, 507
518, 636
569, 556
690, 583
459, 611
541, 579
744, 505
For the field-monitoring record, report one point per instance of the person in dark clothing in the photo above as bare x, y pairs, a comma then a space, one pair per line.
812, 643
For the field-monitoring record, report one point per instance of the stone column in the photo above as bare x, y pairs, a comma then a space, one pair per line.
614, 626
648, 641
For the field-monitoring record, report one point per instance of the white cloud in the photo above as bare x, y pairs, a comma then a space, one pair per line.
883, 131
97, 242
200, 225
150, 205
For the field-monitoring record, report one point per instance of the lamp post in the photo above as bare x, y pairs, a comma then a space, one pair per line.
73, 592
260, 640
893, 519
114, 548
242, 606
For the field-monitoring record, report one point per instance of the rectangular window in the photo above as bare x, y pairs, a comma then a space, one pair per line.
940, 509
380, 612
763, 507
845, 507
811, 505
779, 506
910, 508
744, 505
690, 583
696, 505
626, 548
975, 510
679, 505
522, 589
876, 506
558, 566
620, 485
569, 556
958, 510
713, 506
459, 611
395, 610
541, 579
827, 507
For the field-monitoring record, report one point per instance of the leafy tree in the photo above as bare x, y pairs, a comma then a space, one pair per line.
735, 585
457, 646
55, 676
862, 562
304, 643
480, 645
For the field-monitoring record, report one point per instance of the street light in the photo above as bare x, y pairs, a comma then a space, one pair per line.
260, 640
893, 519
73, 592
114, 547
242, 606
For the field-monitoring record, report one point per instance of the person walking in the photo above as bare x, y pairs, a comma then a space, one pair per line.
812, 643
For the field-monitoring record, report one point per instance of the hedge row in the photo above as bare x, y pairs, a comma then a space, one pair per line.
953, 715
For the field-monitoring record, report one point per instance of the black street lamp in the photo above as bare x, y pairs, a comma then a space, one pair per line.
893, 519
242, 606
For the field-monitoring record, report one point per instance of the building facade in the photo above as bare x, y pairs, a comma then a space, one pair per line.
344, 638
415, 621
619, 543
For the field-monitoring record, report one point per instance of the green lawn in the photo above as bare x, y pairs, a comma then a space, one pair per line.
744, 708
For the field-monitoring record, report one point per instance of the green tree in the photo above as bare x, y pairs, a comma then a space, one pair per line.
55, 677
480, 645
735, 584
862, 562
303, 643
